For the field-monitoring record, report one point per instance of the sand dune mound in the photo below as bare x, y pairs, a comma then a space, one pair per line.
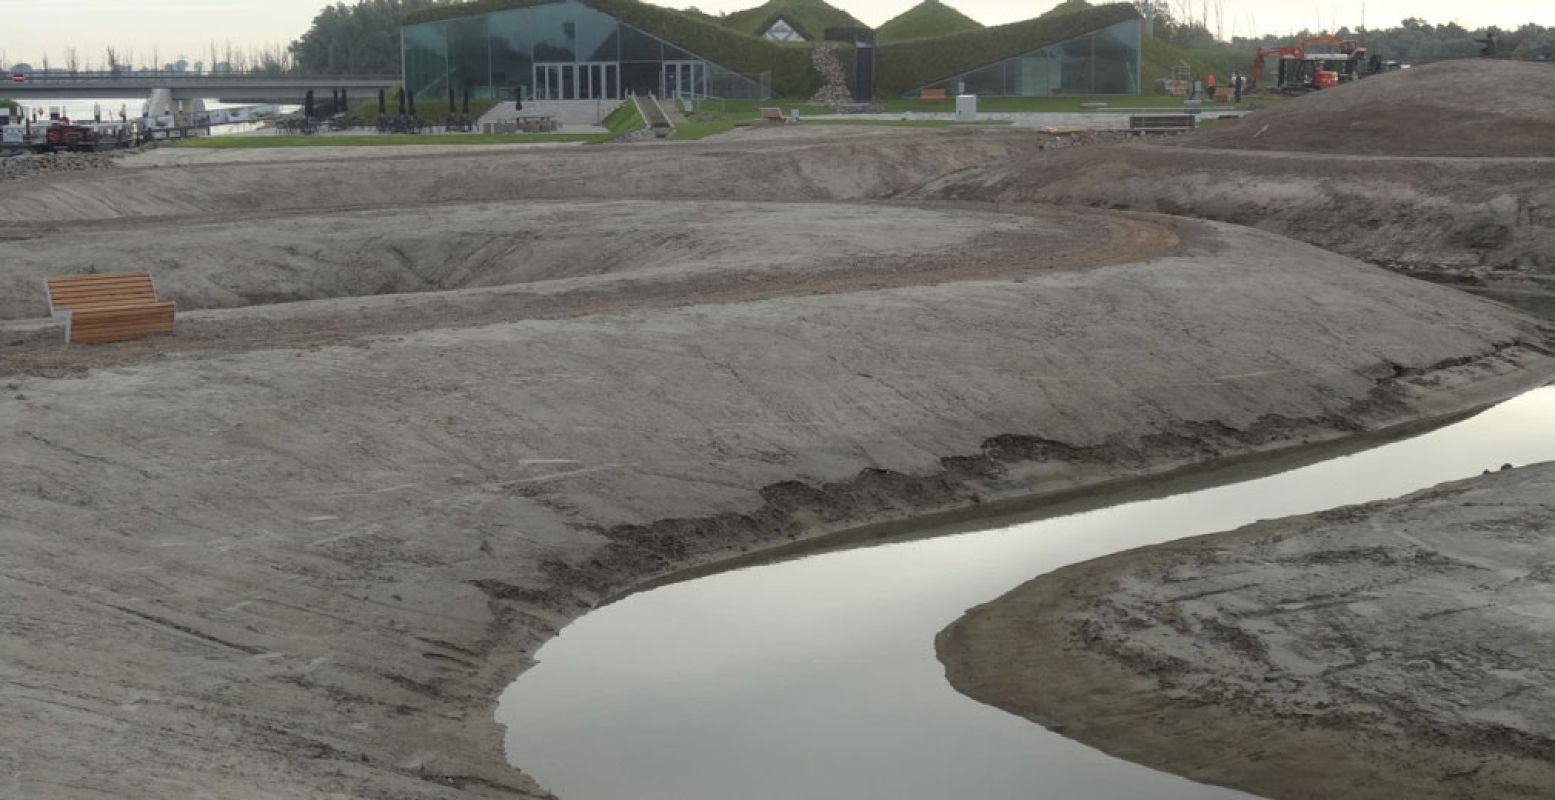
1453, 108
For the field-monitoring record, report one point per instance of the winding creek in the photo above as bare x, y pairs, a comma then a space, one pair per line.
816, 677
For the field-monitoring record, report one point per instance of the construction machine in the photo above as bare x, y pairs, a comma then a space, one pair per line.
1317, 62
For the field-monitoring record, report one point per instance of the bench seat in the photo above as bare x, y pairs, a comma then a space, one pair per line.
109, 308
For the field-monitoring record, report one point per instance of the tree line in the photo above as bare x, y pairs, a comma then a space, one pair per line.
1191, 26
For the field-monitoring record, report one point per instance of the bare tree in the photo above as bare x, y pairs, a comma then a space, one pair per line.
72, 60
45, 61
112, 57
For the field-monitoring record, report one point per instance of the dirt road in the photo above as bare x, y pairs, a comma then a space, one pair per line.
297, 549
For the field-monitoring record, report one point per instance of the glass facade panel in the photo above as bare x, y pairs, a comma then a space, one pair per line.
512, 46
1103, 62
639, 46
563, 50
425, 54
469, 59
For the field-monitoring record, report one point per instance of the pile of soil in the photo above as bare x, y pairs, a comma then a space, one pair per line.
24, 166
1453, 108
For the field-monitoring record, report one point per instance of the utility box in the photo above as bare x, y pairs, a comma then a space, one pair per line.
966, 108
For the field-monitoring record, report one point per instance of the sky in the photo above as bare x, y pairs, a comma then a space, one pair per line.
29, 28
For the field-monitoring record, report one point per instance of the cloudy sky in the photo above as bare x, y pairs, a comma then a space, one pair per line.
28, 28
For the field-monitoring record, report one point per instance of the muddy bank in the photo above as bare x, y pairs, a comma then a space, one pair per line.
306, 564
1392, 649
1485, 225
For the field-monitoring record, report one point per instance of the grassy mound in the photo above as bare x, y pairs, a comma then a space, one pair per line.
928, 19
810, 17
903, 66
700, 34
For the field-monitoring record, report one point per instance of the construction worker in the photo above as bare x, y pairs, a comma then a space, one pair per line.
1209, 87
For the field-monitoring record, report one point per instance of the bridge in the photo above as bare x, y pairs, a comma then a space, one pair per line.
280, 89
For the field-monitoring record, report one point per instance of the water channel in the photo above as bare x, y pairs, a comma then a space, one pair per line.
816, 678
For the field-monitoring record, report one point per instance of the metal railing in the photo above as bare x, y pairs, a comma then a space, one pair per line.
57, 77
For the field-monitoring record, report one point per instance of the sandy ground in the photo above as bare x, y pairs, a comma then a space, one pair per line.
281, 257
1482, 224
1474, 107
1395, 649
297, 549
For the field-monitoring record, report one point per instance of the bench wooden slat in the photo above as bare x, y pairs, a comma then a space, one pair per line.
122, 324
109, 308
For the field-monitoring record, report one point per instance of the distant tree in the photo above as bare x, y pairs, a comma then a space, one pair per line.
360, 38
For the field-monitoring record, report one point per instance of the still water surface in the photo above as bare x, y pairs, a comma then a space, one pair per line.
816, 678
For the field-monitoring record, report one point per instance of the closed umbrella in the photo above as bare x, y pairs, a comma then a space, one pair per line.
383, 102
412, 96
307, 105
401, 95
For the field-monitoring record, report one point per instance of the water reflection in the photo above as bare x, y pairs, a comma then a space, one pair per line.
816, 678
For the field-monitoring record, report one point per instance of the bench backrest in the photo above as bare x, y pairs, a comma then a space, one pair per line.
772, 114
85, 292
932, 95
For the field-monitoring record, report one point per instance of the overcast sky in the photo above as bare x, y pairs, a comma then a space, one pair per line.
186, 27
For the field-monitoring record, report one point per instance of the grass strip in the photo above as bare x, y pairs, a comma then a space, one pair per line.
376, 140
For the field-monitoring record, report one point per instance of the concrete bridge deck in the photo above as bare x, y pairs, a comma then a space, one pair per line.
280, 89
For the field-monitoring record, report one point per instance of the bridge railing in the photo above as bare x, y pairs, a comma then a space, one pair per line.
58, 77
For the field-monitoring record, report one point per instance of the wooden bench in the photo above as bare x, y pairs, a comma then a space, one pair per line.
774, 115
108, 308
932, 95
1162, 122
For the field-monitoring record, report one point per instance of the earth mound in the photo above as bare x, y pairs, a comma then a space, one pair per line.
1452, 108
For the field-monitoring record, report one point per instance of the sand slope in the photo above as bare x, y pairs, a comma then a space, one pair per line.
297, 550
1475, 107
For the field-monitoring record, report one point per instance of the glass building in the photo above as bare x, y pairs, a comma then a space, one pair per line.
559, 51
1105, 61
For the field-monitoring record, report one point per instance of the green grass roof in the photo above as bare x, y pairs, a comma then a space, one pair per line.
928, 19
903, 66
900, 65
789, 65
810, 17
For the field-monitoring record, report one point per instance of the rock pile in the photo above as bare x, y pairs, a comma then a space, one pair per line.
28, 165
834, 89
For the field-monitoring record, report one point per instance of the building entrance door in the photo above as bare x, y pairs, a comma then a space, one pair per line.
684, 79
586, 81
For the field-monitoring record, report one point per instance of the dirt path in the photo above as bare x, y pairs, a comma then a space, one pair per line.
1395, 649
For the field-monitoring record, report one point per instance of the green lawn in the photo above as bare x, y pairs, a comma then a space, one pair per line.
253, 142
624, 120
713, 117
1064, 104
904, 123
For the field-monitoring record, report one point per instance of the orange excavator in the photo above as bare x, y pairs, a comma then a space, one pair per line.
1307, 66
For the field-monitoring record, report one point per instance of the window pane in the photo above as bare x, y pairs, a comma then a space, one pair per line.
640, 77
